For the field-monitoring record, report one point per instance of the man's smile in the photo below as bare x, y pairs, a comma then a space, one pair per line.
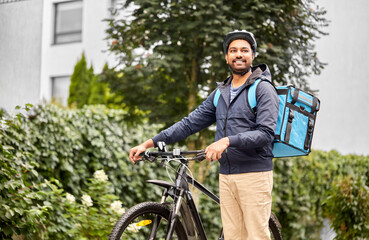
239, 61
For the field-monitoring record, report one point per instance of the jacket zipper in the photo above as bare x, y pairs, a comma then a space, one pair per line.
225, 126
225, 135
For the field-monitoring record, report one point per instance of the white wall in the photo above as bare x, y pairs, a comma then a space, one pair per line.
343, 86
20, 53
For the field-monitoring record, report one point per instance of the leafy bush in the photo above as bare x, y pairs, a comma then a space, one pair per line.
302, 184
21, 211
67, 145
24, 207
36, 208
96, 213
70, 145
348, 207
299, 186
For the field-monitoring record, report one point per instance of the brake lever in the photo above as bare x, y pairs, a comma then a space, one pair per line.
146, 156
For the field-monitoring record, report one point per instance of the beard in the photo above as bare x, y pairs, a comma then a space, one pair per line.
239, 71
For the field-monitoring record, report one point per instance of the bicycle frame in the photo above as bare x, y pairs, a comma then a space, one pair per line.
179, 191
182, 217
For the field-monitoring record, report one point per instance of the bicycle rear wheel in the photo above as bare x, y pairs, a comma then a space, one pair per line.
148, 220
275, 232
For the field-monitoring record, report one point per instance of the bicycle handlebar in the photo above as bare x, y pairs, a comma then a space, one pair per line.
152, 156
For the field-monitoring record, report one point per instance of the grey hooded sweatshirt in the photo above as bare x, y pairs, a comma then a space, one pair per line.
250, 133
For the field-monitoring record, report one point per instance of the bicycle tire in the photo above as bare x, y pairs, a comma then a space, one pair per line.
274, 228
141, 212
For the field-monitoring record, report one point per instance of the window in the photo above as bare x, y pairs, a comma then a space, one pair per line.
60, 89
68, 22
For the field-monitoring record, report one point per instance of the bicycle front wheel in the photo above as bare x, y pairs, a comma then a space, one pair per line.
148, 220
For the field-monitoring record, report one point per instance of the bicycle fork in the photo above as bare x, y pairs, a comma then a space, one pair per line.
173, 218
174, 215
157, 219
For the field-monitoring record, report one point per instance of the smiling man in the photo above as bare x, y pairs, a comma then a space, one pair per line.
245, 173
246, 177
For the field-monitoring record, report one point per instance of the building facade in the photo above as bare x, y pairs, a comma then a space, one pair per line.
42, 40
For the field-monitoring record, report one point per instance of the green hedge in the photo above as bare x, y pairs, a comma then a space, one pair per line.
68, 146
306, 192
55, 151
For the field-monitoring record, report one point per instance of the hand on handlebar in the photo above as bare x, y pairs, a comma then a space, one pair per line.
134, 153
214, 151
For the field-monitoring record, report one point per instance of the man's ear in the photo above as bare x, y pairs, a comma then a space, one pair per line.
226, 57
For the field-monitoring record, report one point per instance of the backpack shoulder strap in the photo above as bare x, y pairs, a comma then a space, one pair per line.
216, 97
251, 95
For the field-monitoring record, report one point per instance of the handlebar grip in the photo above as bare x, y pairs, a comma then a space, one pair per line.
200, 156
150, 156
143, 157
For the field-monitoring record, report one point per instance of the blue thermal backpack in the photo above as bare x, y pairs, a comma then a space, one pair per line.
296, 119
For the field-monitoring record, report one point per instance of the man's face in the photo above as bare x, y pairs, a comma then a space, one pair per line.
239, 56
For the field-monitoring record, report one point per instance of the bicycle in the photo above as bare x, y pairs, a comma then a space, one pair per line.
177, 219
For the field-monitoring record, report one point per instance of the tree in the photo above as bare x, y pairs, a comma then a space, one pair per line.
99, 90
171, 50
86, 88
80, 87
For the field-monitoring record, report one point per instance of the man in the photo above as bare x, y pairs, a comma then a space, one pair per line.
245, 174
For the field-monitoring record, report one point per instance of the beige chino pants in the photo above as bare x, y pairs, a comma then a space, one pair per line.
245, 203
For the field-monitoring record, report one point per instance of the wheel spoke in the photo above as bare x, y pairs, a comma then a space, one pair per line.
155, 227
